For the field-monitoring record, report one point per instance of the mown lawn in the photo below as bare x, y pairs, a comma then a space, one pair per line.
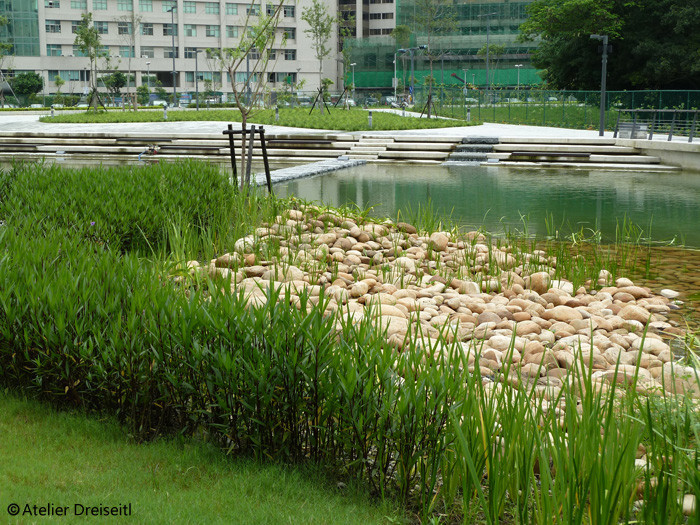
67, 458
337, 119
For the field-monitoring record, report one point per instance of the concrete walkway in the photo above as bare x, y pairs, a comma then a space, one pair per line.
30, 123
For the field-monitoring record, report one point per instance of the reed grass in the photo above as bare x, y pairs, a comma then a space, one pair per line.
91, 318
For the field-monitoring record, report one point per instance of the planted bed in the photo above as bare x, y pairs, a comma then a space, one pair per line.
505, 379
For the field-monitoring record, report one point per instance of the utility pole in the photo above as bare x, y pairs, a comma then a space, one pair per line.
172, 34
603, 75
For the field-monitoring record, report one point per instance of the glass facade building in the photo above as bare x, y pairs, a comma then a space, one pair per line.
454, 51
22, 30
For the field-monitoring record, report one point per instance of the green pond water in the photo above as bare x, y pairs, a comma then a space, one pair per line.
664, 206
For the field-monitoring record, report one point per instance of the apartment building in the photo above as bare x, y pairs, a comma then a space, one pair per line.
142, 36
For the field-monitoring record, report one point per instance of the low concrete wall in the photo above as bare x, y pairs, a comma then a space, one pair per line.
675, 153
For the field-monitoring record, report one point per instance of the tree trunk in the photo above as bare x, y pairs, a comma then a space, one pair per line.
244, 118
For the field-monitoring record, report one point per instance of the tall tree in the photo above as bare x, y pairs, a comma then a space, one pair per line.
660, 54
250, 59
27, 84
402, 37
88, 41
320, 31
432, 19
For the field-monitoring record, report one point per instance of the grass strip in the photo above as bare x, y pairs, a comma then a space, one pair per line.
68, 458
337, 119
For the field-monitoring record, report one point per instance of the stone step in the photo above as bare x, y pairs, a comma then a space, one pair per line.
572, 148
368, 150
362, 157
412, 146
439, 155
585, 166
594, 158
475, 155
474, 147
557, 140
364, 140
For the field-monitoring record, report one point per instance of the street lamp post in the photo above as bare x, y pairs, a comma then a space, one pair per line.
518, 66
172, 34
353, 79
488, 49
395, 82
411, 51
603, 75
196, 76
148, 75
465, 81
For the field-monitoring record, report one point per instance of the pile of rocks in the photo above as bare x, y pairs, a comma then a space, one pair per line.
504, 308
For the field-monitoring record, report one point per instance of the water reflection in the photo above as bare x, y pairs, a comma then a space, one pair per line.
665, 204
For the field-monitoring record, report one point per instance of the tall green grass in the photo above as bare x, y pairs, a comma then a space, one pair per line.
95, 320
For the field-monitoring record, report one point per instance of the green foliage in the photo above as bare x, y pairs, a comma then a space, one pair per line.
88, 322
27, 84
353, 120
114, 82
142, 93
167, 481
402, 36
659, 55
320, 29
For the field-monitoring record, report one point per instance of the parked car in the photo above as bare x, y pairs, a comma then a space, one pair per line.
304, 102
552, 99
388, 100
471, 101
159, 102
371, 101
9, 106
35, 106
83, 105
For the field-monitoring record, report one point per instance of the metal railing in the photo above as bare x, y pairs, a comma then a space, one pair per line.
644, 123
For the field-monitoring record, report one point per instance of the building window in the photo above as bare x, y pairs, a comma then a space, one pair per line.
126, 52
375, 32
169, 52
190, 52
289, 11
52, 4
255, 54
146, 6
270, 9
53, 26
190, 30
169, 30
387, 1
232, 31
77, 52
53, 50
78, 4
74, 26
253, 10
102, 28
290, 54
211, 8
290, 33
212, 31
147, 29
375, 16
148, 52
387, 31
189, 7
99, 5
124, 28
231, 9
169, 4
125, 5
387, 16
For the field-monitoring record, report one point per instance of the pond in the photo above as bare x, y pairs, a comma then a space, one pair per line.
666, 206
